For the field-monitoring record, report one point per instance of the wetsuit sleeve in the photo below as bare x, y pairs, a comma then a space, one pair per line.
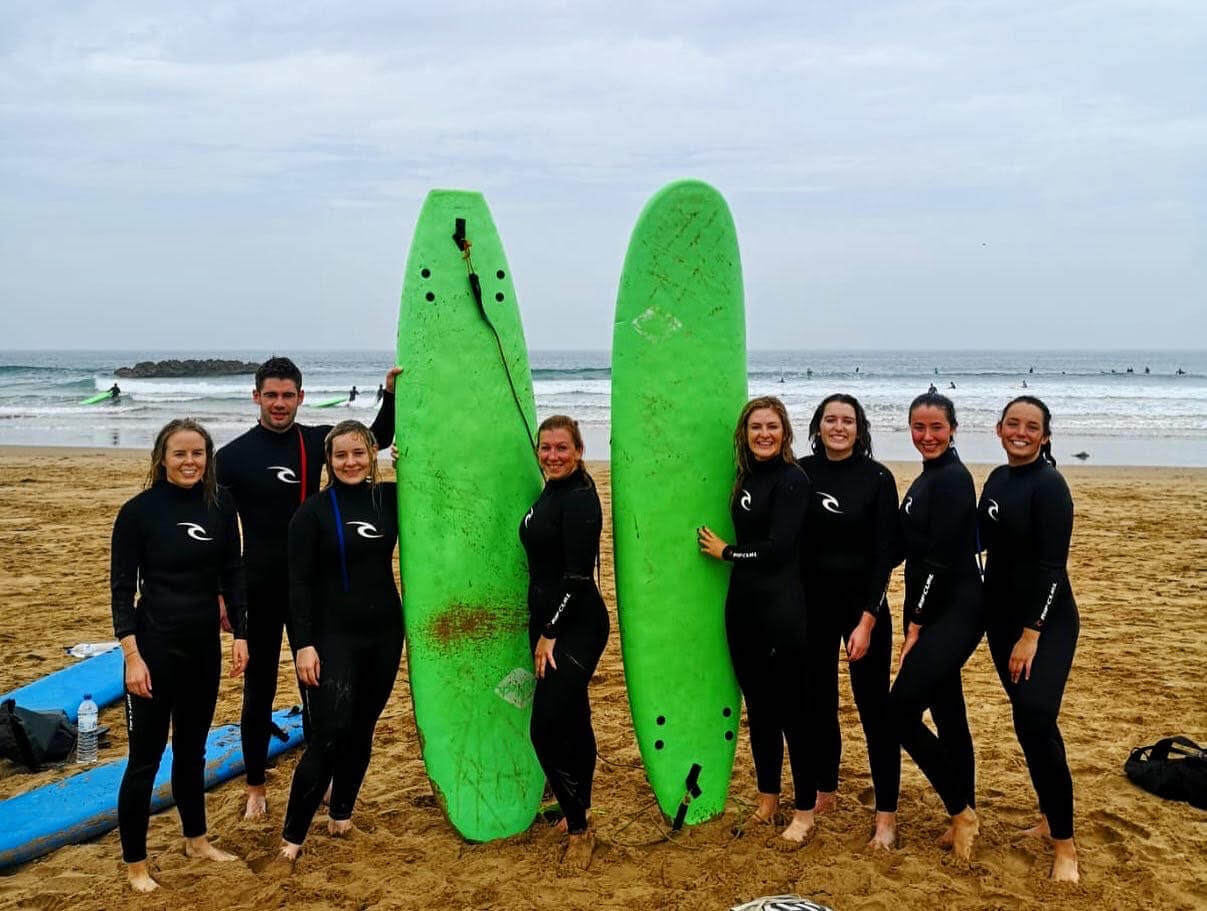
383, 424
582, 521
885, 556
1052, 527
234, 587
783, 537
124, 556
303, 577
951, 499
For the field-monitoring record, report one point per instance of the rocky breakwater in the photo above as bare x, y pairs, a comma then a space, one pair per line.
147, 370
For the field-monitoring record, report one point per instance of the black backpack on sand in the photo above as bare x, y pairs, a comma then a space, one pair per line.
32, 738
1174, 768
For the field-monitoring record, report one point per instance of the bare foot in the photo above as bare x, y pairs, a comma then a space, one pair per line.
947, 839
800, 828
201, 847
257, 802
827, 802
139, 877
1039, 830
965, 828
289, 852
339, 827
579, 850
562, 827
885, 836
1064, 864
766, 812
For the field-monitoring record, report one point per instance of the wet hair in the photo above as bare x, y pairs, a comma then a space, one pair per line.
278, 368
863, 430
341, 429
567, 423
936, 400
741, 448
159, 454
1045, 451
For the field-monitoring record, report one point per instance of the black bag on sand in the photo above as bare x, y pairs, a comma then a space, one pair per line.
32, 738
1174, 768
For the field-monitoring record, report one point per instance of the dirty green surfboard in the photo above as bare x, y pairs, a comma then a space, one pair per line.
466, 476
678, 385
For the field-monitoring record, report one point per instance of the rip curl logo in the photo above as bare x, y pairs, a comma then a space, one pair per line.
284, 474
528, 518
365, 529
991, 512
909, 502
744, 502
829, 502
195, 531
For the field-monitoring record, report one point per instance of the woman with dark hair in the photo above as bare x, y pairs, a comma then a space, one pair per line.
1026, 520
567, 626
847, 554
175, 546
765, 607
943, 617
345, 627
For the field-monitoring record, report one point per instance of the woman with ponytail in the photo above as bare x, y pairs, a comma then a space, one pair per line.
1026, 520
345, 627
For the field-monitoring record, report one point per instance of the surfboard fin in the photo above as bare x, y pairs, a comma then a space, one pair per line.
691, 792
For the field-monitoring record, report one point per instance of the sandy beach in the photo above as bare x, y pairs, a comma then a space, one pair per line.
1139, 571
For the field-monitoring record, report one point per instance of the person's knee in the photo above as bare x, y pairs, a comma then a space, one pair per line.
1033, 718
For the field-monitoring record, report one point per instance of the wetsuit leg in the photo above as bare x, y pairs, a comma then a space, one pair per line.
376, 669
824, 631
561, 731
930, 678
265, 621
750, 653
870, 687
196, 687
147, 722
330, 706
789, 666
1036, 705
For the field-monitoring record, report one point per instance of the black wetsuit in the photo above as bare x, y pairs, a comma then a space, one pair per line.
1026, 517
560, 534
943, 596
765, 623
849, 549
269, 478
174, 549
343, 602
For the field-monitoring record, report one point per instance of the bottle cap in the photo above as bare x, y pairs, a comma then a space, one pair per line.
87, 697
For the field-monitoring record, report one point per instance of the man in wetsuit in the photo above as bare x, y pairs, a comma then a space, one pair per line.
270, 470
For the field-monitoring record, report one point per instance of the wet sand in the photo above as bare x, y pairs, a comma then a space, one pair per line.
1138, 569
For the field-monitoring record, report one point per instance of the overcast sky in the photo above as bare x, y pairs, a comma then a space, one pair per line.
989, 173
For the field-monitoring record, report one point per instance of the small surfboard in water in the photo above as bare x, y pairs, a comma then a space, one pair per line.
331, 403
678, 385
98, 398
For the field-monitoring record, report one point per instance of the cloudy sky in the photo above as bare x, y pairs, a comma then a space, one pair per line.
989, 173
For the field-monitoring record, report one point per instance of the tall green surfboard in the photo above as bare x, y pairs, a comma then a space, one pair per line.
466, 477
678, 385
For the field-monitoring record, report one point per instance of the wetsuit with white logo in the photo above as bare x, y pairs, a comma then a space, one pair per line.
765, 622
848, 551
344, 603
173, 549
1026, 517
270, 474
943, 596
560, 534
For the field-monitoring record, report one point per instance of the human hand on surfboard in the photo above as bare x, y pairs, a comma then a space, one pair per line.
709, 542
391, 376
543, 656
307, 664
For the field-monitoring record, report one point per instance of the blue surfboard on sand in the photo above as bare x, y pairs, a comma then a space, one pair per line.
85, 805
101, 675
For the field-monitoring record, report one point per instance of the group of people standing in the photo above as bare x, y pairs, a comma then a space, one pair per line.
816, 543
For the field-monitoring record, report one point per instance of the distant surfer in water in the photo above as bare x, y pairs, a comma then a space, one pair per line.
765, 609
345, 627
352, 394
943, 617
381, 391
271, 470
1026, 521
114, 391
848, 552
567, 625
173, 546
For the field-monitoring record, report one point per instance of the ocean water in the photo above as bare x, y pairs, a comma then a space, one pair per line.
1118, 417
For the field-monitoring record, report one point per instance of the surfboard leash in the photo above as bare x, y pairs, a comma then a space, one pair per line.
475, 286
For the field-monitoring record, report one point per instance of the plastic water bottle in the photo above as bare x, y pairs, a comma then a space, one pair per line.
85, 744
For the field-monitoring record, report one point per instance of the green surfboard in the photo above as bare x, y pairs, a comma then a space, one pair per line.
330, 403
98, 398
466, 476
678, 385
